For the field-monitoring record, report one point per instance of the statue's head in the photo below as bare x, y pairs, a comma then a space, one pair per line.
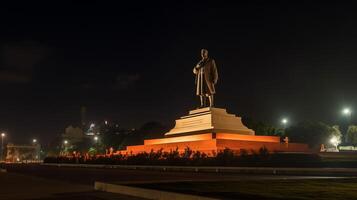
204, 53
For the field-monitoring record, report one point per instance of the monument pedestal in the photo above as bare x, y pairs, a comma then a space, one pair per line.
209, 120
211, 143
210, 130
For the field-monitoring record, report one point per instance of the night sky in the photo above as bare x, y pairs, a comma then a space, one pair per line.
133, 63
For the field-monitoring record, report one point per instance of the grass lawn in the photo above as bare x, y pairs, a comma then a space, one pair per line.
317, 189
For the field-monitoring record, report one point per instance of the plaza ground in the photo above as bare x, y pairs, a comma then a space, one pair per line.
305, 189
19, 186
24, 181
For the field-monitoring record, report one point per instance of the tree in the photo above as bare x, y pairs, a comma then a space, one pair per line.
335, 131
352, 134
73, 134
149, 130
261, 128
312, 133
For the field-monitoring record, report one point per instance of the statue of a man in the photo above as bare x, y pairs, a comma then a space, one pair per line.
206, 77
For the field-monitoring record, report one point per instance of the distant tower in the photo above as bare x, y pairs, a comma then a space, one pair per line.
83, 117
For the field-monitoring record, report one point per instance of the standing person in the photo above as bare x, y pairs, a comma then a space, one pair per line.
206, 78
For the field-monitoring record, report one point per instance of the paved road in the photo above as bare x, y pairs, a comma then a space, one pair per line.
87, 176
19, 186
33, 181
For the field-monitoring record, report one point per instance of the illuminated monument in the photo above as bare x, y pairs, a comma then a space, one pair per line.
209, 129
209, 120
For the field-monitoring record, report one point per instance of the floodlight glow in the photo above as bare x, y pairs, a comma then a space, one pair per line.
284, 121
96, 138
335, 141
34, 140
346, 111
2, 134
65, 142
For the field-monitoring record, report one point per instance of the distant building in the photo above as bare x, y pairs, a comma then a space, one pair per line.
22, 153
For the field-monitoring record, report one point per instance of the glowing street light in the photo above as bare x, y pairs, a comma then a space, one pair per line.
96, 138
65, 142
34, 141
2, 145
346, 111
284, 121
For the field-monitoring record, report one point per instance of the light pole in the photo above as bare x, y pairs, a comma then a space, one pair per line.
284, 121
34, 143
348, 113
96, 142
2, 145
65, 142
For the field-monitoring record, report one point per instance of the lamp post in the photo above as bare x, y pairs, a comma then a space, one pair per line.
284, 121
2, 145
96, 142
34, 143
65, 142
347, 112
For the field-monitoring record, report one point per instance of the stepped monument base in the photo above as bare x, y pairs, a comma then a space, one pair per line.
211, 130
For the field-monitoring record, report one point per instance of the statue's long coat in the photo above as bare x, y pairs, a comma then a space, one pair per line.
206, 77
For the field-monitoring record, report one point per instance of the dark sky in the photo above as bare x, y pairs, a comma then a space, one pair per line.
133, 63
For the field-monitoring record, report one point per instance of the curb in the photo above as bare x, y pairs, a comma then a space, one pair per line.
238, 170
145, 193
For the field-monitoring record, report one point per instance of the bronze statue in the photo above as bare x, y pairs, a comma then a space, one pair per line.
206, 78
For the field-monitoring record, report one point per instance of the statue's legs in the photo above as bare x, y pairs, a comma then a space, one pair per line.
210, 98
202, 99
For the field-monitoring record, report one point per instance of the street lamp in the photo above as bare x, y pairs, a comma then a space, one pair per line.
96, 138
65, 142
34, 142
2, 145
284, 121
348, 113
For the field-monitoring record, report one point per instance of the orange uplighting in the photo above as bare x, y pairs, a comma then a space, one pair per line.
188, 138
210, 142
256, 138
